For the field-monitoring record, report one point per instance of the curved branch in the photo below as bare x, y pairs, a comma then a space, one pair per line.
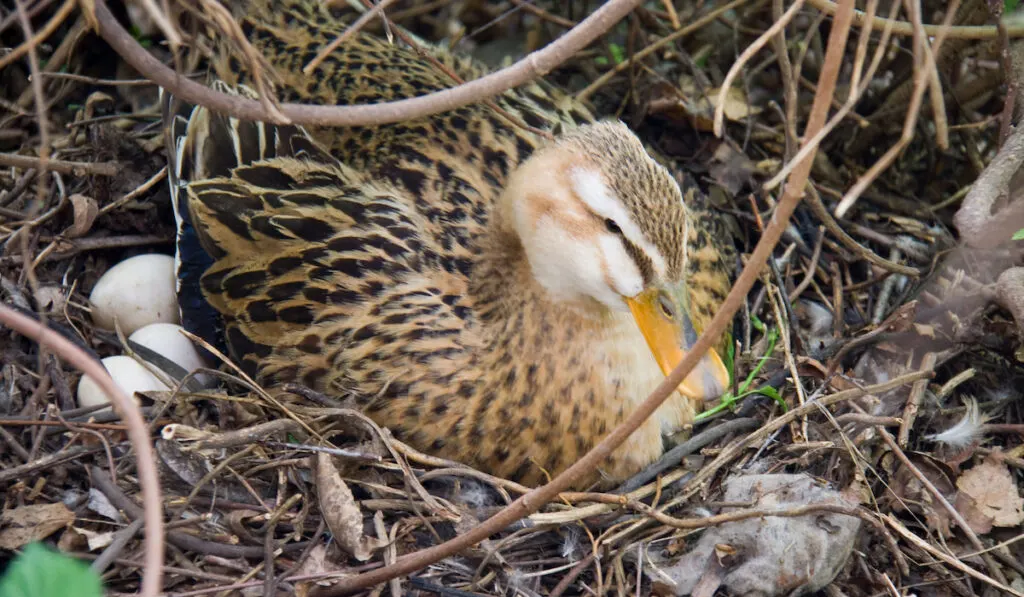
531, 66
138, 434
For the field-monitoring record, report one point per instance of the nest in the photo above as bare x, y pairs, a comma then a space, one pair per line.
877, 354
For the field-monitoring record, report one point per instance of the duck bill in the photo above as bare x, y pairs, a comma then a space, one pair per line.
670, 337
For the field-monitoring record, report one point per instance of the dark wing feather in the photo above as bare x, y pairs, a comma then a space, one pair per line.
203, 144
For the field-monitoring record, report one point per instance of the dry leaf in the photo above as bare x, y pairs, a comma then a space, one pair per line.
84, 210
95, 540
317, 564
50, 298
731, 169
736, 106
100, 504
25, 524
992, 492
976, 518
341, 512
698, 104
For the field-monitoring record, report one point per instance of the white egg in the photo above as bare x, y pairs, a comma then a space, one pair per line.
167, 340
127, 373
137, 292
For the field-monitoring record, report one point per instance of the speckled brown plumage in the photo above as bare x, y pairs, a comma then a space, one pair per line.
377, 262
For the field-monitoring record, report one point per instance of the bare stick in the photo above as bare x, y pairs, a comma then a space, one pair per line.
354, 28
907, 29
951, 561
46, 31
64, 167
914, 402
530, 67
858, 84
661, 43
137, 434
752, 49
922, 67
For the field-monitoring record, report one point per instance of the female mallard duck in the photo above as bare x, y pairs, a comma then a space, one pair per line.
488, 295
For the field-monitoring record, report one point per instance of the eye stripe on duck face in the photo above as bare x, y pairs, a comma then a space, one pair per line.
591, 189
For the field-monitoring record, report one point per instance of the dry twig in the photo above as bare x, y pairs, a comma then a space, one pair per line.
137, 433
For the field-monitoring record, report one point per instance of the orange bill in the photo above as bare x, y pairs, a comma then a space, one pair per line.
663, 320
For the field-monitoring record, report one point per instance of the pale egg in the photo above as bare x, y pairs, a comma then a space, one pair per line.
127, 373
136, 292
167, 340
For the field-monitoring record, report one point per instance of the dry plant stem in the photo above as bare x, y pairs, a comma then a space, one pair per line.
819, 209
914, 401
137, 434
789, 76
530, 7
938, 102
922, 66
941, 499
859, 84
43, 123
573, 574
530, 502
164, 23
262, 73
694, 26
907, 29
532, 66
75, 168
47, 30
951, 561
775, 298
359, 23
247, 435
754, 48
33, 466
159, 176
805, 283
451, 74
181, 539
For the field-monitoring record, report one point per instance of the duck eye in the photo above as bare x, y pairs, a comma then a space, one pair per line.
666, 307
612, 226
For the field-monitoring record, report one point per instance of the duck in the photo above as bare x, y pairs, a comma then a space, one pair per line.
499, 284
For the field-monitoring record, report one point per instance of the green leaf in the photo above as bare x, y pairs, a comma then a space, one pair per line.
618, 54
770, 392
1019, 235
601, 61
41, 572
1010, 6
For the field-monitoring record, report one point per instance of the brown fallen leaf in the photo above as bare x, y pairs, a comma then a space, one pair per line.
84, 211
691, 102
317, 564
25, 524
341, 512
989, 497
